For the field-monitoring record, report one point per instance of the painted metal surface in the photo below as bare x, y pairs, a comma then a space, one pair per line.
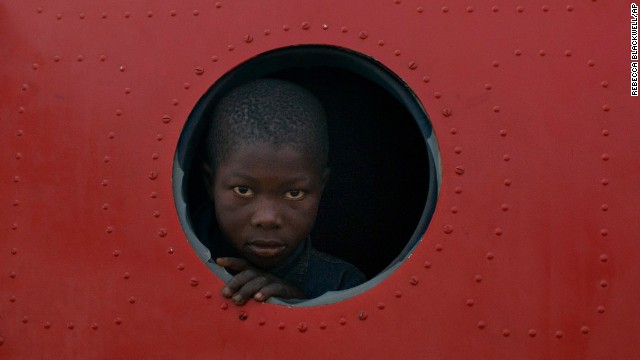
532, 251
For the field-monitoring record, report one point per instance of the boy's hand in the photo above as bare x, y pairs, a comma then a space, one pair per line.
251, 282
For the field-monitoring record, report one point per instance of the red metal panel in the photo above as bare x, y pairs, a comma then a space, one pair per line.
531, 252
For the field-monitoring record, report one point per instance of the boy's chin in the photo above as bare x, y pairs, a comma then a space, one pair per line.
265, 263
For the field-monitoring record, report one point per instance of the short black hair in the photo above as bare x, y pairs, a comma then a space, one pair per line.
271, 111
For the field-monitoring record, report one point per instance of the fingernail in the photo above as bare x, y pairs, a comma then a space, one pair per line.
226, 292
258, 296
237, 299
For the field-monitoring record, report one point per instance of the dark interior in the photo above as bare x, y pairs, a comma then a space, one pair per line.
376, 198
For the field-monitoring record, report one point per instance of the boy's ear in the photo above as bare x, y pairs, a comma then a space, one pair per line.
208, 178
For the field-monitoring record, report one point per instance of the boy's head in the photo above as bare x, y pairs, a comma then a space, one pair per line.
267, 148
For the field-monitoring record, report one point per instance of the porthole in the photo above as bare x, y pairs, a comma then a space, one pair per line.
384, 159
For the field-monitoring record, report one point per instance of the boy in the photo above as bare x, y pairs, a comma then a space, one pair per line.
268, 148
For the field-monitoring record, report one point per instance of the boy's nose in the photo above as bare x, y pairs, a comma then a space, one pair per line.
266, 215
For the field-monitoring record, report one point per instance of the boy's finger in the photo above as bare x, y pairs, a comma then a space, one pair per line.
233, 263
273, 289
249, 289
232, 286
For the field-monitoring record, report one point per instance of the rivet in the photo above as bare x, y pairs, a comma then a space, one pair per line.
18, 156
426, 79
248, 39
325, 26
198, 70
156, 214
262, 322
545, 8
605, 157
569, 8
117, 321
362, 315
381, 305
153, 195
305, 25
208, 295
81, 16
149, 14
488, 86
605, 181
118, 112
47, 325
322, 325
518, 52
542, 53
194, 281
477, 278
173, 13
116, 253
413, 65
267, 32
214, 58
126, 15
398, 294
180, 266
469, 9
14, 226
496, 108
420, 9
132, 300
105, 206
35, 66
162, 232
495, 9
102, 57
444, 9
437, 94
591, 63
481, 325
25, 87
106, 159
604, 84
16, 179
342, 321
16, 202
446, 112
397, 52
506, 333
604, 232
20, 110
459, 170
159, 137
520, 9
155, 156
398, 2
568, 53
606, 107
122, 68
196, 12
427, 265
94, 326
457, 150
380, 42
470, 302
175, 102
604, 207
453, 131
414, 280
498, 231
218, 5
495, 64
490, 256
14, 251
104, 15
559, 334
457, 190
302, 327
39, 10
503, 132
109, 229
153, 175
224, 306
70, 326
13, 274
454, 209
438, 247
604, 283
506, 157
532, 333
105, 182
281, 326
448, 229
363, 35
600, 309
126, 275
186, 86
12, 299
127, 91
171, 250
285, 27
585, 330
504, 207
59, 16
25, 319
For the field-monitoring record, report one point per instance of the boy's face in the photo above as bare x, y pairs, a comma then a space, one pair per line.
266, 200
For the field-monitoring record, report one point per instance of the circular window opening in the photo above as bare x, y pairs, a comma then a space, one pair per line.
383, 157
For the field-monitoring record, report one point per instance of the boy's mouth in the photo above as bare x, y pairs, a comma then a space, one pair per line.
266, 248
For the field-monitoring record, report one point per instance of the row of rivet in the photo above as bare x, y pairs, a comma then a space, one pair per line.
126, 14
495, 8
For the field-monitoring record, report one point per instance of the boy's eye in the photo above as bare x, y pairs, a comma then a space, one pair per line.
294, 195
243, 191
